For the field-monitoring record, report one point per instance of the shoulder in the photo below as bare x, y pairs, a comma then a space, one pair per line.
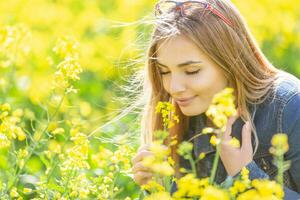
282, 106
288, 97
286, 87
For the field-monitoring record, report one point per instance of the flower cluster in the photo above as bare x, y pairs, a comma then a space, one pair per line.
111, 164
191, 187
69, 68
12, 43
76, 157
9, 125
167, 111
279, 144
158, 162
279, 147
222, 107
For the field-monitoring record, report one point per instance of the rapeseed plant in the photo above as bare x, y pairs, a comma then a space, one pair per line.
191, 187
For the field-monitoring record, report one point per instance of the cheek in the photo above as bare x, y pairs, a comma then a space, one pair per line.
208, 83
200, 83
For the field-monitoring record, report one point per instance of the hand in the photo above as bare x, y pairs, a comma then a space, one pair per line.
234, 159
141, 173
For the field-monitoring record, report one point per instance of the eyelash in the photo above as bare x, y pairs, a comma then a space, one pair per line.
188, 73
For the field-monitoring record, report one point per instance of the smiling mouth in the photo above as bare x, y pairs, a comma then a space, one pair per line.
185, 102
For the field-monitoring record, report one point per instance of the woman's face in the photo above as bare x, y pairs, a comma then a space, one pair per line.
189, 75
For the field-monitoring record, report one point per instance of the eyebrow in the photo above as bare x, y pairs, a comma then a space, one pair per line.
181, 64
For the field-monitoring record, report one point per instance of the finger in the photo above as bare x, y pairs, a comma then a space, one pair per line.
140, 155
139, 177
246, 137
228, 130
145, 180
139, 167
144, 147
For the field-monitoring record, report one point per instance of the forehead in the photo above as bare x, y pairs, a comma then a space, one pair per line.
178, 49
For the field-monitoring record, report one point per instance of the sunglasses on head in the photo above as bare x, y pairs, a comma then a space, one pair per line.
185, 7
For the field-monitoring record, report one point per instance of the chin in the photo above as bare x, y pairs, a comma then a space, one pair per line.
191, 112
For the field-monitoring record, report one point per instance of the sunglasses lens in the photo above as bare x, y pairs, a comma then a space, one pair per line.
191, 7
188, 7
166, 7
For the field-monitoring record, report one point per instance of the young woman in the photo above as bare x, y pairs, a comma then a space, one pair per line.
198, 48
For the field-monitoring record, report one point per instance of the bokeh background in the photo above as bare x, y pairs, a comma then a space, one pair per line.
112, 41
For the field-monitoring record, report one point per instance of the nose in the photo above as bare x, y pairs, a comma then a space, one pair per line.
177, 85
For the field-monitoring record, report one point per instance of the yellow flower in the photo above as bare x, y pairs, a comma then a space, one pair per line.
189, 186
27, 190
22, 153
214, 140
70, 69
13, 43
158, 166
173, 142
159, 195
214, 193
201, 155
4, 142
54, 147
163, 168
207, 130
279, 144
234, 142
267, 188
280, 139
37, 136
167, 111
85, 109
238, 187
20, 133
52, 126
18, 113
158, 162
66, 47
182, 170
245, 174
153, 186
222, 107
5, 107
159, 150
14, 193
171, 161
58, 131
249, 195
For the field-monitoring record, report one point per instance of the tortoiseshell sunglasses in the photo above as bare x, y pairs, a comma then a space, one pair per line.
163, 7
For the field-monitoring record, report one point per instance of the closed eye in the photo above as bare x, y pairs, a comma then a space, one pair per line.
164, 73
187, 72
193, 72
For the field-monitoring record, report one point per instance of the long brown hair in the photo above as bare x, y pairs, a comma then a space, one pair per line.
232, 48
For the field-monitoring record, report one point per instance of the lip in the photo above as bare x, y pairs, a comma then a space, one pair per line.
184, 101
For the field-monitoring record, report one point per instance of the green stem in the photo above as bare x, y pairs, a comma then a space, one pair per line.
66, 184
215, 165
32, 149
167, 183
280, 170
193, 165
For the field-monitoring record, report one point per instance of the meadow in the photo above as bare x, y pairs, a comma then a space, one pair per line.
67, 71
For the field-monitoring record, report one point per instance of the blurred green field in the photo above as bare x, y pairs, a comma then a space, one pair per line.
111, 44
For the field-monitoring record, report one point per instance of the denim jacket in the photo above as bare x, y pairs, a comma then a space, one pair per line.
279, 113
